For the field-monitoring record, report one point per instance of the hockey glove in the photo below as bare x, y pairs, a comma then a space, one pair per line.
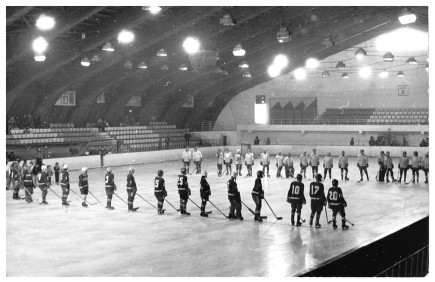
166, 193
339, 166
114, 187
67, 186
261, 162
188, 191
262, 195
323, 165
357, 165
344, 204
304, 202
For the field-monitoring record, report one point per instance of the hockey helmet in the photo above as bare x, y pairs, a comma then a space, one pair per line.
238, 150
43, 168
319, 177
109, 169
234, 175
260, 174
183, 170
299, 177
84, 169
65, 166
131, 169
204, 173
160, 173
335, 182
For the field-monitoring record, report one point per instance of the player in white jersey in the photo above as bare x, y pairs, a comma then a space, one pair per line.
228, 160
343, 163
327, 165
186, 157
314, 162
289, 169
238, 161
197, 159
249, 161
264, 157
303, 162
279, 164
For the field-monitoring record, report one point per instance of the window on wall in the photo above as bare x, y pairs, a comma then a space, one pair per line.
260, 109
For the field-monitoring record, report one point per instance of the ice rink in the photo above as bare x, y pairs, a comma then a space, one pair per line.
56, 241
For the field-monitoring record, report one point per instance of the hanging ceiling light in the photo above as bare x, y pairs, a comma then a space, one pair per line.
191, 45
274, 70
247, 74
182, 67
360, 53
400, 74
300, 74
345, 75
383, 74
340, 65
45, 22
39, 45
365, 72
142, 65
161, 53
153, 9
411, 61
125, 36
406, 16
325, 73
85, 62
128, 65
238, 51
312, 63
108, 47
281, 61
283, 35
226, 20
388, 57
96, 58
39, 57
244, 65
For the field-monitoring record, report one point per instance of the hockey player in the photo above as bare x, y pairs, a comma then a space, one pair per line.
83, 185
425, 163
415, 166
314, 162
289, 169
160, 191
228, 160
382, 170
43, 183
15, 180
296, 198
186, 157
234, 198
303, 162
363, 164
183, 191
279, 164
337, 204
249, 161
56, 169
131, 189
403, 166
328, 164
343, 163
258, 195
204, 192
264, 161
318, 200
388, 164
49, 173
238, 161
28, 184
110, 187
197, 159
220, 161
64, 183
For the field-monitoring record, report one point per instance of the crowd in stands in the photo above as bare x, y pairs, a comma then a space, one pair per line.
424, 142
23, 122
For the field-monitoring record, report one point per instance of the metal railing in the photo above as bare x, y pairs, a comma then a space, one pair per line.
165, 145
415, 265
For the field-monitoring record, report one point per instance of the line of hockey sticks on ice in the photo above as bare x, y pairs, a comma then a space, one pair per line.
81, 197
171, 205
120, 198
278, 218
263, 216
96, 198
55, 193
146, 201
218, 209
207, 212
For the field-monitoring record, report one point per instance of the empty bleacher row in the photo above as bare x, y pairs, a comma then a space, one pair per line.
400, 116
347, 114
53, 135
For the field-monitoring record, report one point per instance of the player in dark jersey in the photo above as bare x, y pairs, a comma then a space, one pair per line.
204, 193
15, 180
43, 183
337, 204
110, 187
64, 183
83, 185
296, 198
183, 191
160, 191
318, 200
28, 184
258, 194
234, 198
131, 189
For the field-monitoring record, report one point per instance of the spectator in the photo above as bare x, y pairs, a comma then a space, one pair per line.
256, 141
423, 143
39, 156
352, 142
427, 141
45, 152
267, 141
405, 142
11, 157
372, 141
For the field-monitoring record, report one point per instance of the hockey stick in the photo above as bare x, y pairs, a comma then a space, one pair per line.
222, 173
192, 171
376, 177
55, 193
217, 209
410, 180
350, 222
82, 198
278, 218
172, 205
263, 217
326, 214
95, 198
146, 200
207, 212
120, 198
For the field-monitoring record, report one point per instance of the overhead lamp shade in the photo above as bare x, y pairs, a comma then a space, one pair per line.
406, 16
226, 20
238, 51
39, 57
340, 65
96, 58
128, 65
85, 62
247, 74
161, 53
182, 67
244, 65
325, 73
400, 74
283, 35
345, 75
142, 65
388, 57
383, 74
360, 53
165, 67
411, 61
108, 47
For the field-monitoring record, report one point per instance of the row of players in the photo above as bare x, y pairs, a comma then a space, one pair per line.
295, 194
385, 163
